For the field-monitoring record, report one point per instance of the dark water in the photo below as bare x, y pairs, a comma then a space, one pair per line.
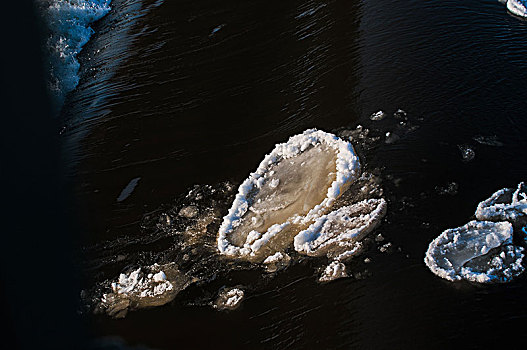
196, 92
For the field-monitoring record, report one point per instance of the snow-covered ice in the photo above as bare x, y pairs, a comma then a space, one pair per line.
480, 251
293, 186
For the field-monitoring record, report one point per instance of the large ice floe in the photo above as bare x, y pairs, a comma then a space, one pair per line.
517, 7
484, 251
293, 186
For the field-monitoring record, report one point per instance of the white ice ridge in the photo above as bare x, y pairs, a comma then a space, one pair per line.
480, 251
68, 22
505, 205
341, 228
517, 7
293, 186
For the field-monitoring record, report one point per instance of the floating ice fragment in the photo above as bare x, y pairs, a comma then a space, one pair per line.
488, 140
127, 191
340, 228
229, 299
333, 271
145, 287
517, 7
400, 114
276, 262
313, 169
505, 205
391, 137
467, 153
189, 211
380, 115
480, 251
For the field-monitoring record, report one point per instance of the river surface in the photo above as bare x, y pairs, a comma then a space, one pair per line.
176, 94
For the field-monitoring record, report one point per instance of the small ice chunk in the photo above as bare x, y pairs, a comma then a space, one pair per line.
276, 262
467, 153
380, 115
400, 114
474, 252
229, 299
127, 191
333, 271
160, 277
274, 182
505, 205
385, 247
216, 30
391, 137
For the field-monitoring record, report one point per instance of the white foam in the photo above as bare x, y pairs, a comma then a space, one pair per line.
480, 251
347, 170
517, 7
69, 25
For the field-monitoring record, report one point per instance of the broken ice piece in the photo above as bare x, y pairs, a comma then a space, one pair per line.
149, 286
294, 185
229, 299
505, 205
480, 251
380, 115
348, 224
276, 262
333, 271
467, 153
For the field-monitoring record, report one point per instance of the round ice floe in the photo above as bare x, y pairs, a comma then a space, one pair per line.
517, 7
480, 251
341, 229
505, 205
293, 186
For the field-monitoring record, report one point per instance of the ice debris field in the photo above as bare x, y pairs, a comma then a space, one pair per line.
309, 197
484, 250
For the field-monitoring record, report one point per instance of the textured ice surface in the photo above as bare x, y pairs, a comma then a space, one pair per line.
517, 7
145, 287
333, 271
341, 229
293, 186
505, 205
480, 251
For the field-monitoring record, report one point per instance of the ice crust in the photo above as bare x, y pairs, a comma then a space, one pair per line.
341, 229
69, 25
293, 186
517, 7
